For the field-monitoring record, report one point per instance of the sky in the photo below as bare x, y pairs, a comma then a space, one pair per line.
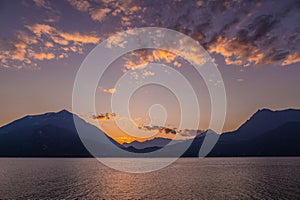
254, 44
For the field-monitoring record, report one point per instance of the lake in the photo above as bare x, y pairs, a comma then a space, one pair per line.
187, 178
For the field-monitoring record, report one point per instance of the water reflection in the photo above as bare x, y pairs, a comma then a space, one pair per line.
221, 178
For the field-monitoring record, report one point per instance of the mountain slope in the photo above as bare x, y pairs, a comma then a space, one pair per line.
284, 140
281, 141
262, 121
49, 134
44, 141
266, 133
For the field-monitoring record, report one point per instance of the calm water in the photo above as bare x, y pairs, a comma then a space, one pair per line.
188, 178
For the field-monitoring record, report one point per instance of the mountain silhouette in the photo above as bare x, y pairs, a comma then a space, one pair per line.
266, 133
51, 134
155, 142
262, 121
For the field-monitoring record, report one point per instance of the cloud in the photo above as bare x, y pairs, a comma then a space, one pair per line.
260, 37
190, 133
49, 44
292, 58
133, 65
59, 40
81, 5
127, 11
124, 8
147, 73
77, 37
161, 55
61, 37
42, 3
166, 130
41, 56
99, 14
19, 52
126, 21
159, 129
141, 58
23, 37
116, 41
110, 90
105, 116
42, 42
63, 55
236, 51
244, 33
39, 29
186, 133
14, 50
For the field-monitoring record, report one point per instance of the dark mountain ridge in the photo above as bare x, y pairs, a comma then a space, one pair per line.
265, 120
48, 135
266, 133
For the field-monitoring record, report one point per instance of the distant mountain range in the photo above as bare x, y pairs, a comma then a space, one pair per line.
266, 133
156, 142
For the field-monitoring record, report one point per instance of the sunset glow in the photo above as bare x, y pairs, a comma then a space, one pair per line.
43, 44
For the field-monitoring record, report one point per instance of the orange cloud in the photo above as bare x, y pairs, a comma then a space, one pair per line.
245, 53
39, 29
117, 41
19, 52
63, 55
160, 55
237, 52
110, 90
22, 36
141, 58
292, 58
42, 42
99, 14
61, 37
60, 41
42, 56
49, 44
77, 37
130, 65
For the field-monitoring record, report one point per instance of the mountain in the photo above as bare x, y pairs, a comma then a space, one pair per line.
266, 133
280, 141
49, 134
262, 121
155, 142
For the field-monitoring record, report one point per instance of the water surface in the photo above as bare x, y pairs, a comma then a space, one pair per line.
187, 178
